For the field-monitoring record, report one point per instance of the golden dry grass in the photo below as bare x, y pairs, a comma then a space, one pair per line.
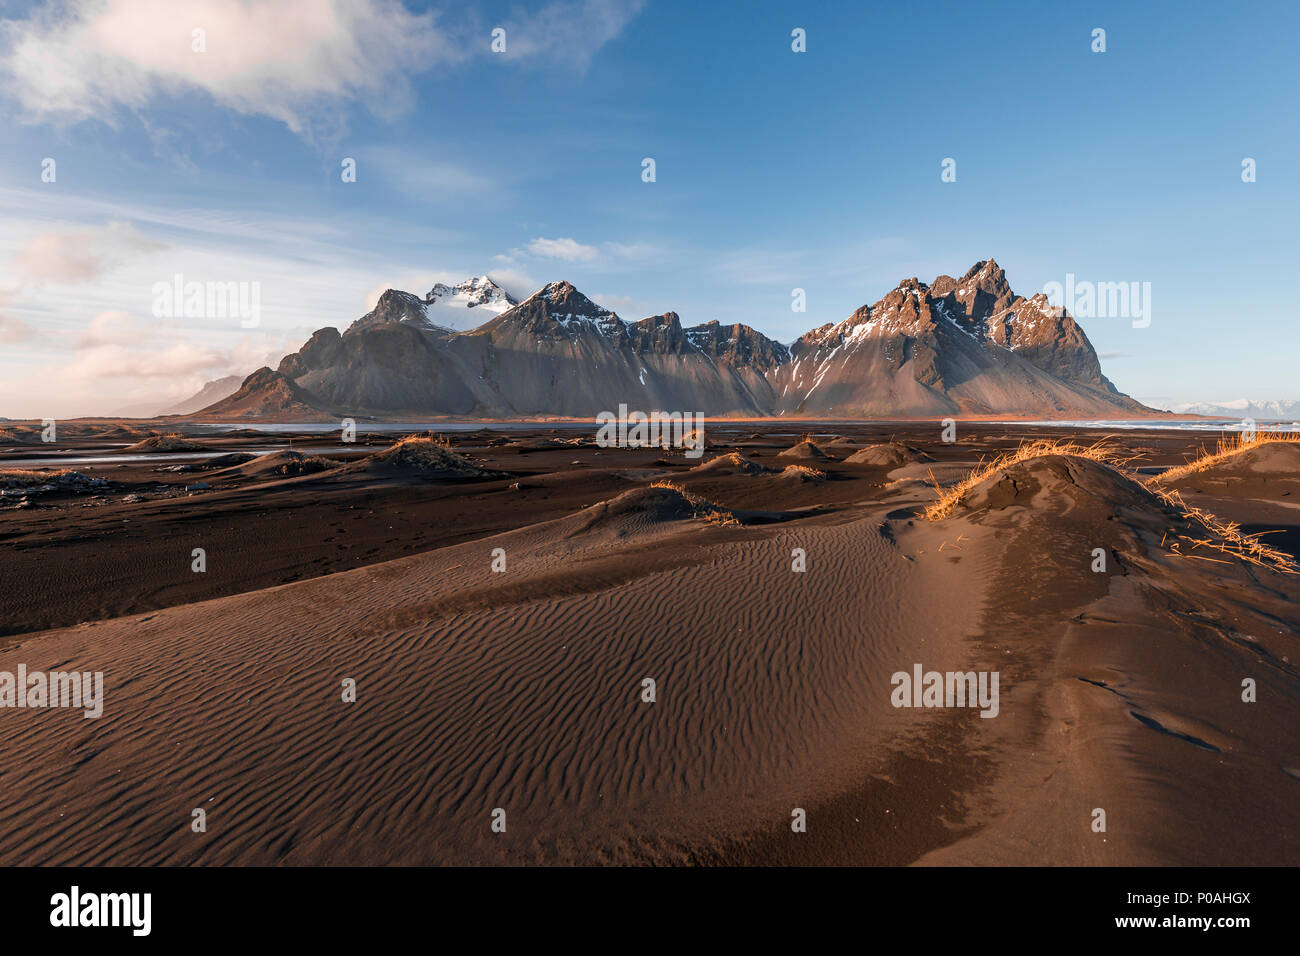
803, 471
1223, 537
422, 442
172, 441
1227, 449
949, 498
702, 508
21, 477
422, 453
1226, 537
734, 460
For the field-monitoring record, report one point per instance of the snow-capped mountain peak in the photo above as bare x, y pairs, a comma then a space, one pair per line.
449, 305
1277, 410
444, 309
478, 292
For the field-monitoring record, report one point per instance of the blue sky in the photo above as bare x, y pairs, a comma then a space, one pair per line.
774, 170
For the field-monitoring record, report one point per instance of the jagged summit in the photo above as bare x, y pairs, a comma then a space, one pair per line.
480, 291
442, 310
955, 346
559, 308
986, 274
395, 306
738, 344
562, 298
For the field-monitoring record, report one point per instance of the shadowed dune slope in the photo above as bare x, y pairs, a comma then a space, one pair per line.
478, 690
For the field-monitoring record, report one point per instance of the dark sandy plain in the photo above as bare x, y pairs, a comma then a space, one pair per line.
522, 689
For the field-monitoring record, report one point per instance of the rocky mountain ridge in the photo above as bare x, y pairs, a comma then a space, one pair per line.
956, 346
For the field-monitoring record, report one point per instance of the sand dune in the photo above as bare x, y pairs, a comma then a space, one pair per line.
801, 473
156, 443
521, 689
280, 464
732, 463
1274, 462
891, 454
1140, 681
803, 450
1271, 458
420, 455
518, 690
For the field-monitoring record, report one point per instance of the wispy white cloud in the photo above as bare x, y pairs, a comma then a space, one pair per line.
79, 256
567, 32
636, 251
302, 62
517, 282
287, 59
419, 176
567, 250
118, 361
74, 348
14, 330
766, 266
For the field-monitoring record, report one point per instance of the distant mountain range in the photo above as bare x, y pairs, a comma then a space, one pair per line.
212, 392
967, 346
1243, 408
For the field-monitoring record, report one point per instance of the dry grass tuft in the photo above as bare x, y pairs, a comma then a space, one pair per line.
1223, 537
701, 508
173, 441
1103, 451
24, 478
1226, 537
733, 460
424, 453
1227, 449
802, 471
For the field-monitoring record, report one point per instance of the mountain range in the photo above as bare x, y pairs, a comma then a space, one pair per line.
1288, 411
966, 346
